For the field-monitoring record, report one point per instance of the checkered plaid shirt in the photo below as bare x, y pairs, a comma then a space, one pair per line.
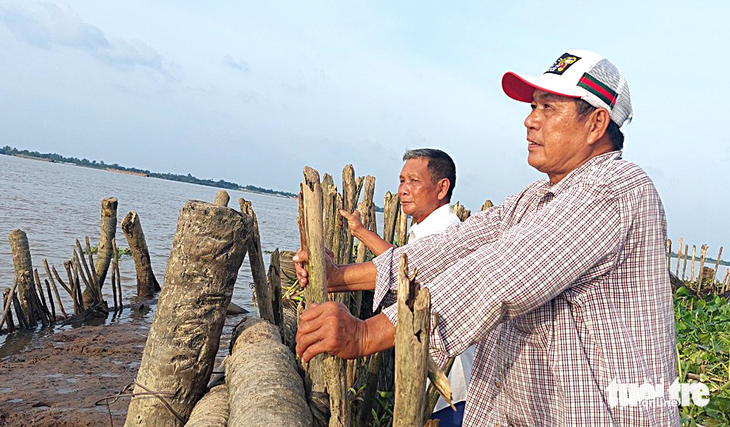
565, 289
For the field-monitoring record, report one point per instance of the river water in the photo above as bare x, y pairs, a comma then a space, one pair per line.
58, 203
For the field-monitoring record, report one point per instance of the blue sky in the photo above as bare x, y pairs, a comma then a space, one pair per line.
252, 91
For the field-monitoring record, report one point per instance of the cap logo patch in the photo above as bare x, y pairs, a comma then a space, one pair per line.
603, 92
562, 64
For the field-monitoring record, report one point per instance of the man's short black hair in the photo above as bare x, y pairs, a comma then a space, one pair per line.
440, 165
613, 131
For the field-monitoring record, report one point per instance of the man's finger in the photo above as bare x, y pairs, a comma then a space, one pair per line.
313, 350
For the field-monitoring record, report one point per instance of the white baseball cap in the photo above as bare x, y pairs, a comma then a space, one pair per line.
578, 74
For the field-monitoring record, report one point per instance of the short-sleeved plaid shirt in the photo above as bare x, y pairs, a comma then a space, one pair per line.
565, 289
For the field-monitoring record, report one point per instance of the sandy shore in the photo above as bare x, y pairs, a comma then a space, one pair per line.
58, 378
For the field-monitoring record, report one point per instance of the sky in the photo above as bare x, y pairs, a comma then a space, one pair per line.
251, 92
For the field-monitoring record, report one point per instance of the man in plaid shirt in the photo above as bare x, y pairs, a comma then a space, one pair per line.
564, 288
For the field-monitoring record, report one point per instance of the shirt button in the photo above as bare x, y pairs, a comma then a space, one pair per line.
497, 384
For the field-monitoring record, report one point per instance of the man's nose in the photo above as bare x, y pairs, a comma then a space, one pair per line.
531, 121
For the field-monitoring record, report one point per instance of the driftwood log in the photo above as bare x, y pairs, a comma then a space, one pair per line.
258, 270
211, 410
132, 228
264, 386
207, 251
23, 274
411, 349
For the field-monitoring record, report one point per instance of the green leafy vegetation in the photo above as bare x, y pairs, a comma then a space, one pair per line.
57, 158
703, 350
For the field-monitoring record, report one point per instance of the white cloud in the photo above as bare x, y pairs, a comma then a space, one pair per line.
239, 65
49, 26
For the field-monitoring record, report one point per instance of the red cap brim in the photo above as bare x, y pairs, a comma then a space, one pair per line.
521, 89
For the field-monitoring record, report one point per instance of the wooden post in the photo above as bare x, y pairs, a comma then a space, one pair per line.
108, 232
402, 228
684, 264
207, 251
83, 269
325, 372
114, 286
23, 273
700, 275
669, 253
258, 270
94, 276
222, 198
411, 349
371, 388
487, 204
7, 300
146, 282
22, 319
115, 274
391, 207
55, 289
274, 278
725, 281
68, 265
679, 256
264, 387
50, 301
331, 218
349, 202
41, 296
692, 276
717, 265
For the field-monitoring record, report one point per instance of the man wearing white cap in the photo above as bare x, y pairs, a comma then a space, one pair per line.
564, 287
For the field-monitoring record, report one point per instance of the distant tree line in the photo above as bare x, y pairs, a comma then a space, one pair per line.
57, 158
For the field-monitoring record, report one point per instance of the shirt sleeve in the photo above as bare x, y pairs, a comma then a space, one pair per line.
570, 240
441, 251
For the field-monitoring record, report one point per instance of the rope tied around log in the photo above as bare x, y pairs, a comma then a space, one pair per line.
127, 392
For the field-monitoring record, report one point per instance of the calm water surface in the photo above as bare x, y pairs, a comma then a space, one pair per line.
57, 203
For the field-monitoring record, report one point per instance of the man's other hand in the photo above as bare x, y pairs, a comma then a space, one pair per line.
330, 328
301, 265
353, 221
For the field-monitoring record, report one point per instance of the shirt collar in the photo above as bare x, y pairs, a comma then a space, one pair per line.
576, 174
433, 217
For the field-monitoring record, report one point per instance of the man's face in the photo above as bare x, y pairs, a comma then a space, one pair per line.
556, 135
419, 195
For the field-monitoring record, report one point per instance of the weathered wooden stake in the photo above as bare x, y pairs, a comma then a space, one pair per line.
692, 276
487, 204
411, 349
264, 387
325, 372
402, 227
684, 264
391, 207
50, 301
68, 265
258, 270
7, 300
22, 319
207, 251
701, 274
669, 253
679, 255
108, 232
23, 272
349, 202
114, 287
53, 284
222, 198
146, 282
717, 265
115, 274
274, 278
725, 281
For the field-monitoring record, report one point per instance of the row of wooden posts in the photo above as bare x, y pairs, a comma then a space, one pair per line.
33, 306
705, 282
264, 383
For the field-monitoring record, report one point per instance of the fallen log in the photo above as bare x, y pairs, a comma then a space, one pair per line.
211, 410
207, 251
264, 387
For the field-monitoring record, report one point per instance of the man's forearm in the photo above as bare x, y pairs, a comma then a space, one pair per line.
352, 277
379, 334
373, 242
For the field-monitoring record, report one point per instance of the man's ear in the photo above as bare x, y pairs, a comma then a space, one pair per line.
443, 185
598, 123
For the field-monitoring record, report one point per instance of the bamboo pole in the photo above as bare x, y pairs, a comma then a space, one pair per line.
55, 289
700, 276
679, 256
717, 265
7, 300
147, 284
23, 272
207, 251
258, 270
411, 349
324, 371
684, 264
222, 198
